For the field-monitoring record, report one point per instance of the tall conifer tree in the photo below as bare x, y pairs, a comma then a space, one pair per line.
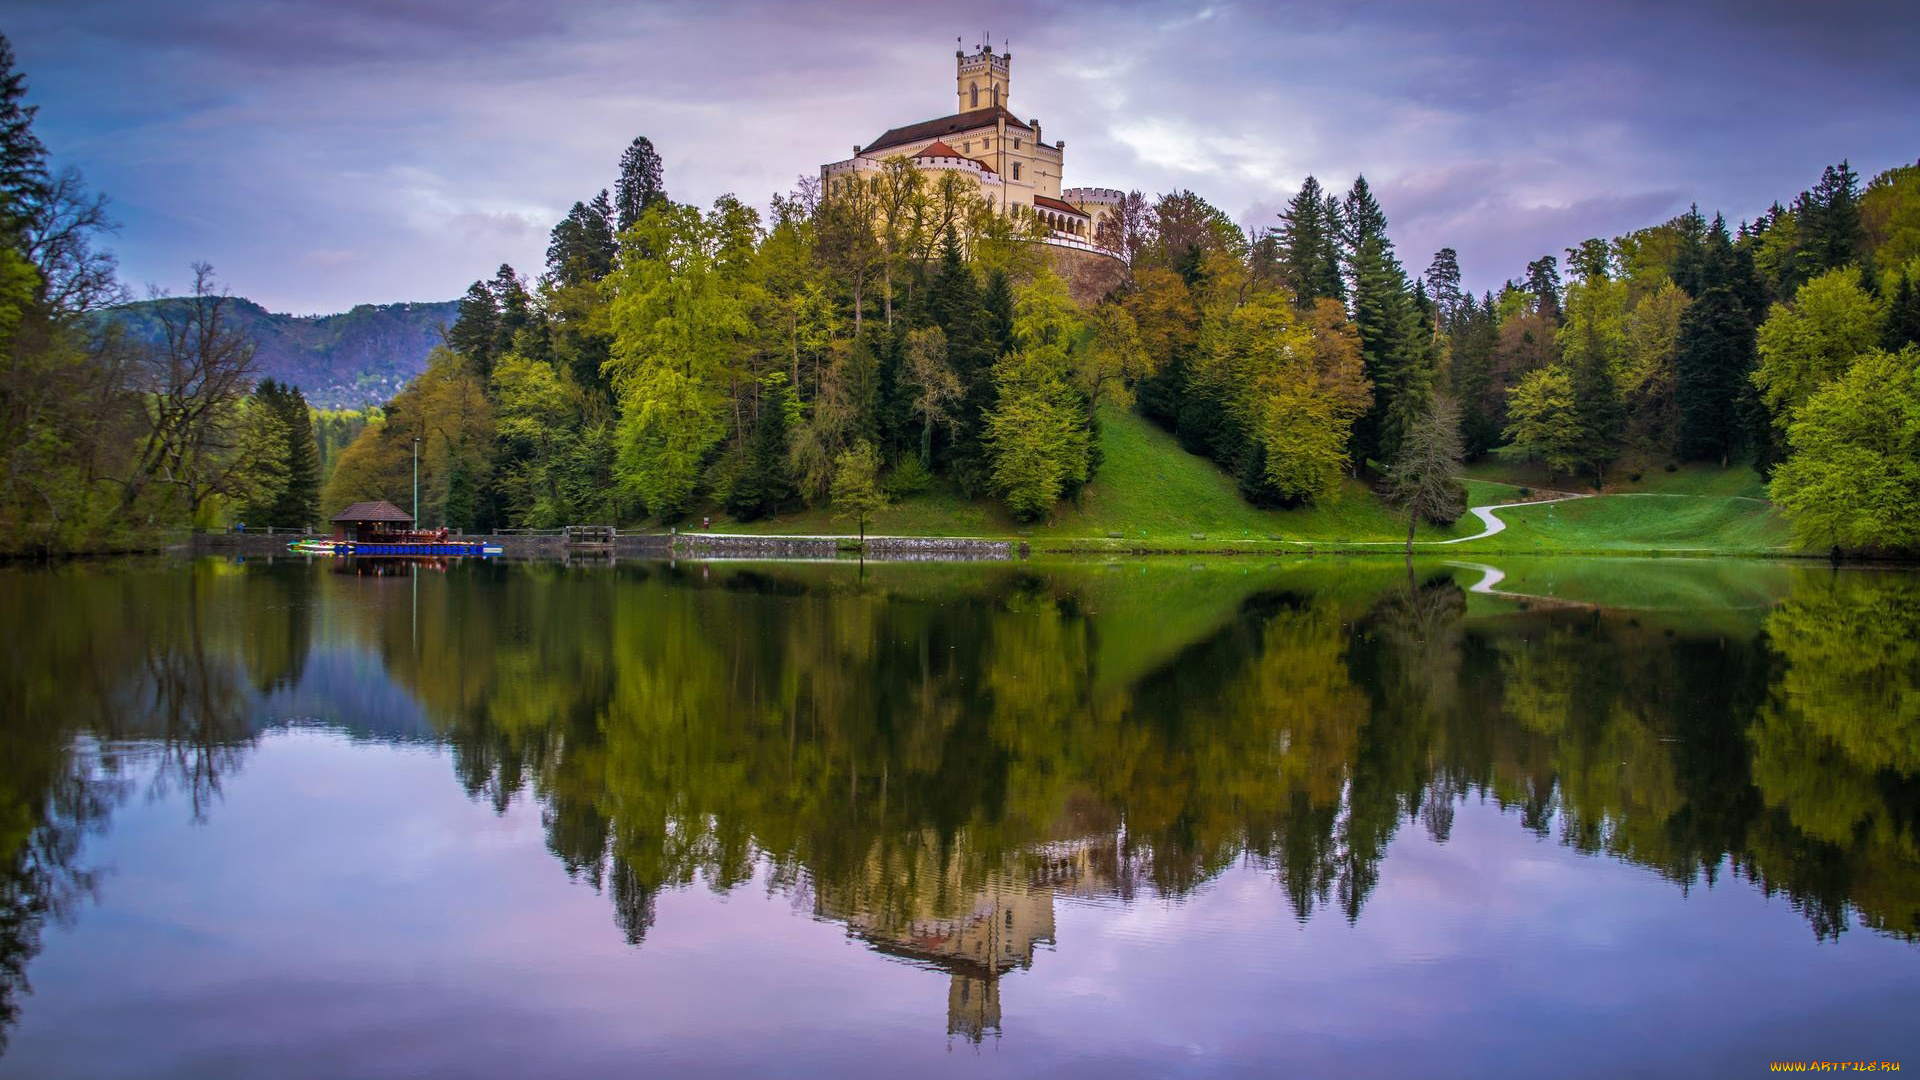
641, 182
1395, 342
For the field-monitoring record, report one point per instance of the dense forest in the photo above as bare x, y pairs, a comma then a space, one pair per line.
892, 337
899, 335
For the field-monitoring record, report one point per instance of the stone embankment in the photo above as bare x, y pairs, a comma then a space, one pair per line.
701, 545
692, 545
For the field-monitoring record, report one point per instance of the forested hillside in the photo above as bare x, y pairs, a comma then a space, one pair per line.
886, 338
895, 336
347, 361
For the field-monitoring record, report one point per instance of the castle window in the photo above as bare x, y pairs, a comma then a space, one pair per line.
1016, 144
1016, 170
976, 97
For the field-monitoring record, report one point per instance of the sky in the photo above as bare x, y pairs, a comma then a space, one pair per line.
326, 153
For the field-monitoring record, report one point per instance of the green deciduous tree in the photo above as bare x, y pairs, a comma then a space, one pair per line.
1810, 342
679, 319
535, 418
1646, 371
1853, 478
1890, 218
856, 486
1545, 419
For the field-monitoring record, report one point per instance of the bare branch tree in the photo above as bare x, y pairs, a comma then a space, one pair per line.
193, 383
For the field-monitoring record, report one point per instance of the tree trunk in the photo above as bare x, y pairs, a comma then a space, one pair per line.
1413, 520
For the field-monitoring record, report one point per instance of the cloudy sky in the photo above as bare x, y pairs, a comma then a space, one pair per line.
323, 153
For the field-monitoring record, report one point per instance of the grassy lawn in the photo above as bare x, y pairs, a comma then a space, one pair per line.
1679, 523
1148, 488
1151, 492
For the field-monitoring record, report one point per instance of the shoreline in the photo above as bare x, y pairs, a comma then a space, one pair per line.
815, 546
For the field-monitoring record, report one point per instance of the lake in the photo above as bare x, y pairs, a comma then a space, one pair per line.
1154, 817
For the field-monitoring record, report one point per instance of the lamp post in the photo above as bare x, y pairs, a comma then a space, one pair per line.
416, 481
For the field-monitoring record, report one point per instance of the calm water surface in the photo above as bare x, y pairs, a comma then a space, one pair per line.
1335, 817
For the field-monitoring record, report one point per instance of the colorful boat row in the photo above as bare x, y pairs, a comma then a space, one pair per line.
405, 549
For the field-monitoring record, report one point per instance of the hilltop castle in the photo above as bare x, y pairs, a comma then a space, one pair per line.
1012, 166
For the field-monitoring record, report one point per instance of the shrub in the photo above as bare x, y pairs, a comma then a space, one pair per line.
909, 478
1526, 493
1633, 477
1671, 467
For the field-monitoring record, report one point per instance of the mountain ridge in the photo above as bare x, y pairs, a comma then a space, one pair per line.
350, 359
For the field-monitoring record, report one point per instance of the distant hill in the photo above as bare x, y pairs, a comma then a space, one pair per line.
357, 358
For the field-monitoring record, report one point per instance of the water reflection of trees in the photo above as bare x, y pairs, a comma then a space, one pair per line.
925, 753
113, 674
894, 746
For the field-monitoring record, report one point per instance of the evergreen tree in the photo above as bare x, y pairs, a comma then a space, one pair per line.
1443, 286
997, 300
955, 305
475, 326
1475, 333
1717, 352
1308, 245
1396, 343
298, 504
640, 183
581, 247
1601, 414
765, 482
23, 159
516, 314
1903, 316
1827, 223
1543, 281
460, 511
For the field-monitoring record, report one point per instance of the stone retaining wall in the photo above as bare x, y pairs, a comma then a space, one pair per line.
659, 545
937, 548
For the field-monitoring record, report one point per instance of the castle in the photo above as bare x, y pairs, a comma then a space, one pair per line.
1006, 158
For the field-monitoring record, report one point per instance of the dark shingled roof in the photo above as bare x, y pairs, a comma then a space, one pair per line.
945, 126
374, 511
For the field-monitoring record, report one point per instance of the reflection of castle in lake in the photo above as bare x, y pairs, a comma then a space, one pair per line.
993, 927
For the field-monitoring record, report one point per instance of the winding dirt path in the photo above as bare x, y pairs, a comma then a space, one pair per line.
1495, 525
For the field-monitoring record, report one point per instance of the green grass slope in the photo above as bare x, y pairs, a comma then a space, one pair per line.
1148, 489
1150, 493
1675, 523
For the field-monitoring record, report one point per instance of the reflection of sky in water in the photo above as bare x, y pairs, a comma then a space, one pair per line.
346, 911
346, 689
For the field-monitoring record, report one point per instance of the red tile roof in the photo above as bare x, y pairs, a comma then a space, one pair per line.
1059, 207
937, 149
946, 125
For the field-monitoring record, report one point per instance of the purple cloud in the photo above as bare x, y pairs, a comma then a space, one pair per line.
420, 144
